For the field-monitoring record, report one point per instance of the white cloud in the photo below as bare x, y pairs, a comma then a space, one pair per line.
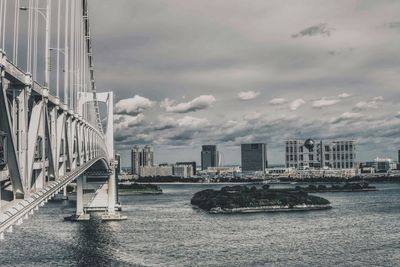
277, 101
125, 121
201, 102
371, 104
295, 104
348, 116
324, 102
344, 95
248, 95
192, 122
133, 106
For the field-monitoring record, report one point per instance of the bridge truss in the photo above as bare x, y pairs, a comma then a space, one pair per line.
51, 130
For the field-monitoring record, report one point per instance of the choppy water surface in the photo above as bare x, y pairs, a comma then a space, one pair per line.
363, 229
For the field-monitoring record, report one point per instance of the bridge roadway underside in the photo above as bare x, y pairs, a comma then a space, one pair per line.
14, 212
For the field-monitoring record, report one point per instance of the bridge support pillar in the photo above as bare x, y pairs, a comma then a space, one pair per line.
79, 215
65, 195
111, 215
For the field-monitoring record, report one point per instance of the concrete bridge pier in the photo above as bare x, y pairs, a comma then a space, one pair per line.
111, 214
65, 193
80, 214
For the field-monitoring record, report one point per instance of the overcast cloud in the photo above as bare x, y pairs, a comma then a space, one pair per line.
181, 69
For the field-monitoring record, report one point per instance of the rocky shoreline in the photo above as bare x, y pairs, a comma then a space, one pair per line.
241, 199
346, 187
135, 188
270, 209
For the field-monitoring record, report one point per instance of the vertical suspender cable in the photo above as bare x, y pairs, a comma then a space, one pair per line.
4, 24
58, 47
35, 37
1, 23
72, 50
29, 46
16, 32
66, 53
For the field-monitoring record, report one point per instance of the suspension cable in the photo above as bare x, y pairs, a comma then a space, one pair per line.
4, 24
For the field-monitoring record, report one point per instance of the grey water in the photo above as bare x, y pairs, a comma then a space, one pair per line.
362, 229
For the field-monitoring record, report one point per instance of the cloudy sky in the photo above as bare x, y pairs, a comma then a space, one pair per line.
187, 73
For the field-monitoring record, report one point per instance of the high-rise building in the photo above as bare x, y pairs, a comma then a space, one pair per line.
118, 159
254, 157
209, 156
304, 154
141, 157
135, 160
147, 156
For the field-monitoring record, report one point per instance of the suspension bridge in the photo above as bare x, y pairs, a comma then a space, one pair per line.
55, 129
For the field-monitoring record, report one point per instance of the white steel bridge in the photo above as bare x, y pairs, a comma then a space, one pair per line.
52, 129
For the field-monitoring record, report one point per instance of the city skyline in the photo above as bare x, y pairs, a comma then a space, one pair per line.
324, 70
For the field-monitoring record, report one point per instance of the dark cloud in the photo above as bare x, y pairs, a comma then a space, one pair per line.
319, 29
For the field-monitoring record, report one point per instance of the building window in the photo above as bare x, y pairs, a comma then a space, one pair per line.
326, 156
311, 157
301, 157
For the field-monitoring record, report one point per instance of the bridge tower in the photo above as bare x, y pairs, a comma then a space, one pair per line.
51, 131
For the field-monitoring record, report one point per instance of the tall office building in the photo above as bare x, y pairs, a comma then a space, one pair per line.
254, 157
135, 160
147, 156
303, 154
118, 159
209, 156
141, 157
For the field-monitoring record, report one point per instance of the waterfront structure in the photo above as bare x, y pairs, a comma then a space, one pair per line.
254, 157
379, 165
192, 163
304, 154
209, 157
154, 171
183, 171
310, 173
228, 170
141, 157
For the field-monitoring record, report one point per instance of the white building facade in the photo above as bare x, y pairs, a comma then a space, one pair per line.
310, 154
